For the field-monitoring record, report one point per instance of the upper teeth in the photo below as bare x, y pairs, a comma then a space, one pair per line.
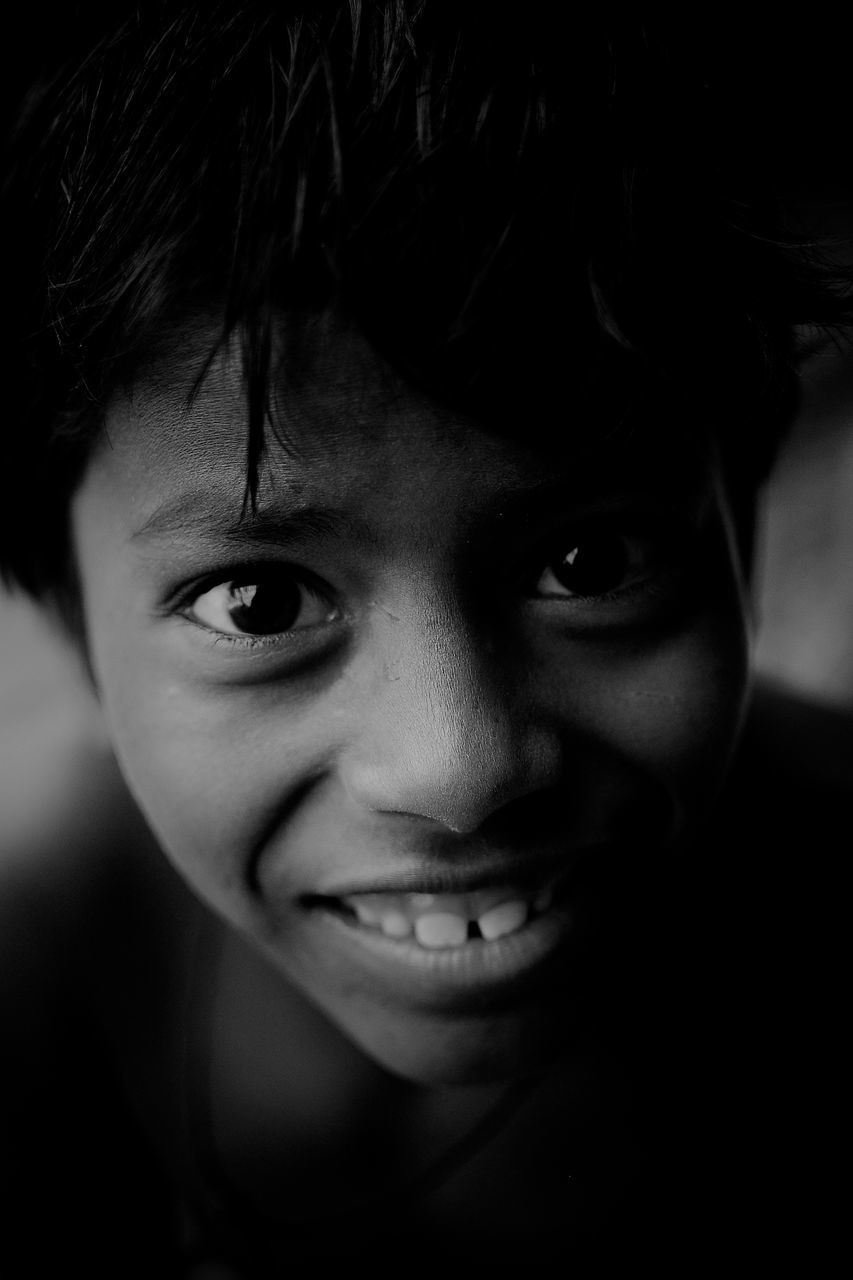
441, 929
443, 920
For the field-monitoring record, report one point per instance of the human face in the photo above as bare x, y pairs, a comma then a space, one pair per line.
432, 726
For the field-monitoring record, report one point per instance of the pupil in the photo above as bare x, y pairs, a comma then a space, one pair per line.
263, 609
594, 566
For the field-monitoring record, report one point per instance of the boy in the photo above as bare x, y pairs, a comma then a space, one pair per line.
402, 520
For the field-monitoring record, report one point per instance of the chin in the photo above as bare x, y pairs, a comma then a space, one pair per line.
440, 1051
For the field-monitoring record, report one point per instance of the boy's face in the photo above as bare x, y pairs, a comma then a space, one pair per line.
431, 726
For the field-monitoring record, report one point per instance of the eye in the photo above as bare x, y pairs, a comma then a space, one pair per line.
261, 604
597, 561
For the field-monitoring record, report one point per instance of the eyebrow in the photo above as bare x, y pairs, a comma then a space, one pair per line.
203, 515
564, 495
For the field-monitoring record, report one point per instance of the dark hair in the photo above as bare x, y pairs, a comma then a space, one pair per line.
534, 219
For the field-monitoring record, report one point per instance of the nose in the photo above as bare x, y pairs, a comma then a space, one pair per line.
443, 732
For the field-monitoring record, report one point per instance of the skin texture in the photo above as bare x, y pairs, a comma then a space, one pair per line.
443, 711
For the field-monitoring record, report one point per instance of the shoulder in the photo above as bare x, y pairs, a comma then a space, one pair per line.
84, 891
63, 811
85, 968
70, 844
55, 774
94, 922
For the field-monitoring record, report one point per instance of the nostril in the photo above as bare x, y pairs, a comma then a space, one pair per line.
464, 795
535, 817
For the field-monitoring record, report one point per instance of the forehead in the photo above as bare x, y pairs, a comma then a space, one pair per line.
346, 429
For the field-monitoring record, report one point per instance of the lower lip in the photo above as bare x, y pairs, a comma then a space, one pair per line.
476, 973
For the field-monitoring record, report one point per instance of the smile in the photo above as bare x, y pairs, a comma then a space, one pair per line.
436, 921
447, 949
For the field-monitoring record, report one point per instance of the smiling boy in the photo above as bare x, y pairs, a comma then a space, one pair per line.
409, 565
385, 721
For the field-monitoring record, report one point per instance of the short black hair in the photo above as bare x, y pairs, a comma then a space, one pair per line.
531, 216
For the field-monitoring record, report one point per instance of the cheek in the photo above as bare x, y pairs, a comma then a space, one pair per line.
213, 771
667, 715
683, 707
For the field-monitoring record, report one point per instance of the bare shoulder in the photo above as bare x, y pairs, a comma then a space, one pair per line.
83, 886
85, 969
56, 779
64, 933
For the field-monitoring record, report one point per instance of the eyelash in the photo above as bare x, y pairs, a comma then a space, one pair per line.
647, 585
256, 575
645, 550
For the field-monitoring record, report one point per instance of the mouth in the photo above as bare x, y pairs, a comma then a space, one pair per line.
442, 921
444, 947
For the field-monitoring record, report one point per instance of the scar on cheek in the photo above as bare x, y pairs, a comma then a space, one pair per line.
374, 604
656, 695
